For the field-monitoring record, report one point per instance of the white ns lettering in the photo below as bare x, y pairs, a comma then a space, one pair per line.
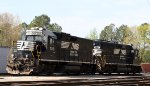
75, 46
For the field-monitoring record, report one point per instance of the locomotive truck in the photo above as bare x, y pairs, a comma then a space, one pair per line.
41, 51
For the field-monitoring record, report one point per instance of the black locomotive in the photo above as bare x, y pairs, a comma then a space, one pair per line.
45, 52
117, 58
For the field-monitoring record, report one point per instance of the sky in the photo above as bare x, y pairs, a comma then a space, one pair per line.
79, 17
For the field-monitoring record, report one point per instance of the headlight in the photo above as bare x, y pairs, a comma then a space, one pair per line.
12, 55
27, 56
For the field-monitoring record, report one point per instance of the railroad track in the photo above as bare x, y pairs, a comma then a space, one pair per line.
125, 81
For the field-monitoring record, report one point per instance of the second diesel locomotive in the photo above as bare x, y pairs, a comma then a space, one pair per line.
41, 51
117, 58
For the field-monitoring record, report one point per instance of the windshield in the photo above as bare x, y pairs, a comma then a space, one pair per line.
33, 38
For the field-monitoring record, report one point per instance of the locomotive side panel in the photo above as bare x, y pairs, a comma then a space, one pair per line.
85, 50
110, 52
68, 48
117, 53
76, 49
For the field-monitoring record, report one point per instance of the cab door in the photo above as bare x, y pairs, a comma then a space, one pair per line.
51, 48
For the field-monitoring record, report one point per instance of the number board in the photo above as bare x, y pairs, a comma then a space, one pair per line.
33, 32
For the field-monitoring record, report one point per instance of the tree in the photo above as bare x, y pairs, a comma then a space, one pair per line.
40, 21
108, 33
146, 58
92, 35
128, 36
9, 26
55, 27
24, 25
121, 33
43, 21
144, 32
132, 37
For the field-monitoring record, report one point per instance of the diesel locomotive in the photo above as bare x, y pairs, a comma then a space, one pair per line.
117, 58
41, 51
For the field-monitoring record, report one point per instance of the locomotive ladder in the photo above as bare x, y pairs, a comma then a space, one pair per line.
100, 62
